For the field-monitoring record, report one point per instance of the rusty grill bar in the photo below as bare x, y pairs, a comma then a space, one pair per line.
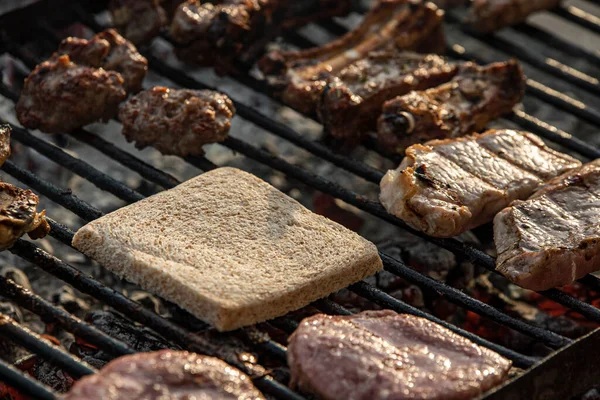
193, 342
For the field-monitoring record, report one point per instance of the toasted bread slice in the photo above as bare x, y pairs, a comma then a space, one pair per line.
229, 248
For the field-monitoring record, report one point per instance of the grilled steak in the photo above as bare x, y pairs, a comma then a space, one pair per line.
446, 187
4, 143
477, 95
299, 77
176, 121
18, 215
110, 51
553, 238
491, 15
60, 96
165, 374
383, 355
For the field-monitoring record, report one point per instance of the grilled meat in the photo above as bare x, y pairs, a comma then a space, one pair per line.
60, 96
383, 355
491, 15
477, 95
18, 215
553, 238
165, 374
446, 187
110, 51
299, 77
352, 99
447, 4
176, 121
4, 143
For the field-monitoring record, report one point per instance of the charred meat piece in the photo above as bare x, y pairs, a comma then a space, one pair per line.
446, 187
447, 4
176, 121
383, 355
352, 99
299, 77
110, 51
18, 215
476, 96
61, 96
491, 15
553, 238
165, 374
4, 143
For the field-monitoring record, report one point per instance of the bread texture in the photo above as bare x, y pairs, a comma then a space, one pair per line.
229, 248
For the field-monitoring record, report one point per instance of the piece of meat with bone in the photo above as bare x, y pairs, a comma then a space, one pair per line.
60, 96
381, 355
491, 15
5, 132
553, 238
176, 121
446, 187
110, 51
476, 96
18, 215
165, 374
299, 77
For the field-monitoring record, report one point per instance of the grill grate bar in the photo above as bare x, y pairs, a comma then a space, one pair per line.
579, 17
24, 383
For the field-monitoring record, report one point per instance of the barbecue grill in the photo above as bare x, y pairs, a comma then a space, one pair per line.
568, 372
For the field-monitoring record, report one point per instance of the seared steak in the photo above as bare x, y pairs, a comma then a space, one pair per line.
446, 187
165, 374
491, 15
176, 121
553, 238
4, 143
476, 96
377, 355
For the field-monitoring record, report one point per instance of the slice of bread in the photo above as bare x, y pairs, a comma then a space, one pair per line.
229, 248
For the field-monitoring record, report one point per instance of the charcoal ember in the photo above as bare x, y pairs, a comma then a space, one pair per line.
329, 207
8, 350
231, 346
52, 376
592, 394
68, 299
11, 310
149, 301
411, 295
17, 276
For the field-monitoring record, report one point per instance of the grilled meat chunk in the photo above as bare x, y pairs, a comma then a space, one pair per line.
446, 187
110, 51
176, 121
377, 355
165, 374
4, 143
141, 20
491, 15
353, 98
553, 238
476, 96
18, 215
299, 77
60, 96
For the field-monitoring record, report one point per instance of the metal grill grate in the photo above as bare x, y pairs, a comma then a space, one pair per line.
184, 336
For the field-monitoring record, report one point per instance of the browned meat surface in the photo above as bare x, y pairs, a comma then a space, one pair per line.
447, 4
491, 15
299, 77
553, 238
176, 121
377, 355
110, 51
60, 96
4, 143
166, 374
141, 20
446, 187
476, 96
18, 215
352, 100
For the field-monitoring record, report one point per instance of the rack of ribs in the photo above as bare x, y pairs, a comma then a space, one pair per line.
491, 15
476, 96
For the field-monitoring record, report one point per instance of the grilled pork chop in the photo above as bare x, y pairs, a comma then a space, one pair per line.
446, 187
377, 355
176, 121
163, 375
491, 15
553, 238
299, 77
18, 215
5, 132
476, 96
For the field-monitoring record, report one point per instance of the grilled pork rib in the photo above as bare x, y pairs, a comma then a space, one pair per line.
5, 132
176, 121
381, 355
446, 187
553, 238
491, 15
476, 96
299, 77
